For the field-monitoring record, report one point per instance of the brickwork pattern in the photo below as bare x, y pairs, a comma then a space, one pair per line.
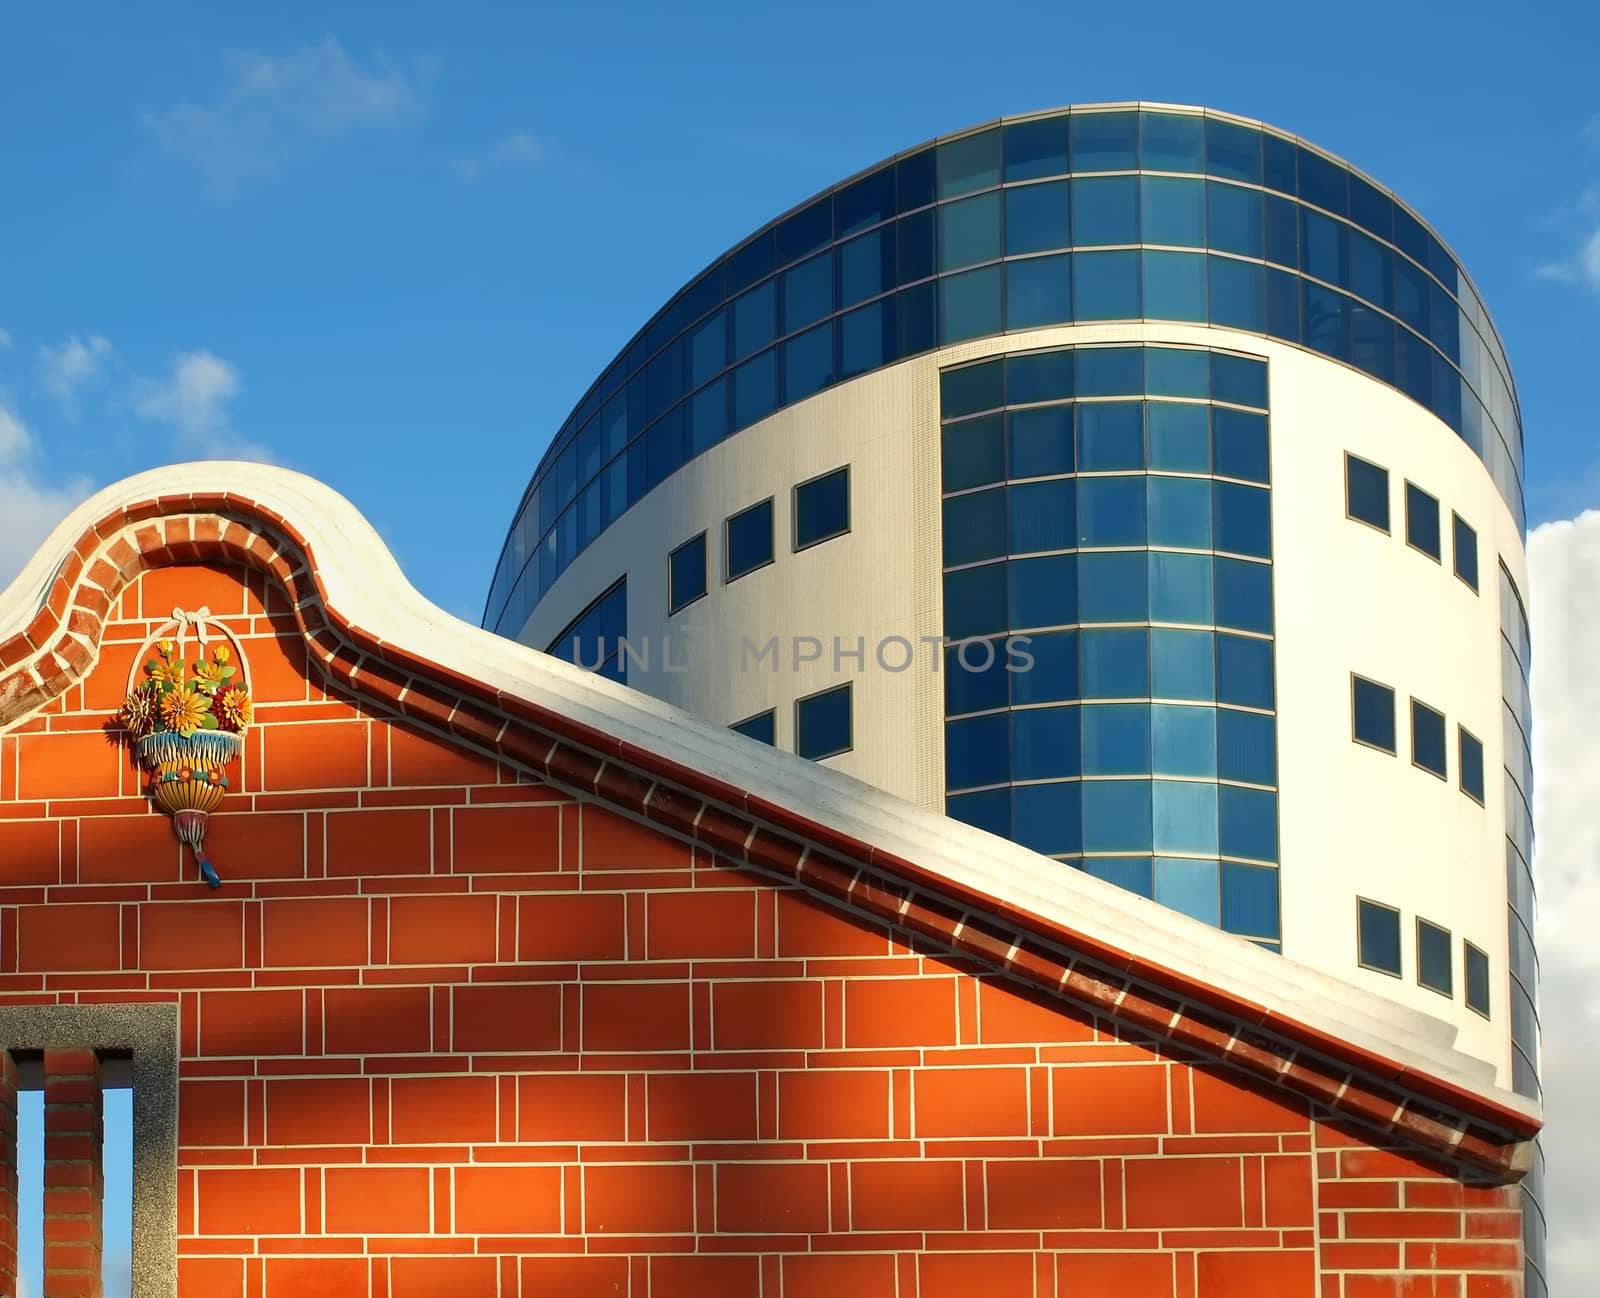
74, 1174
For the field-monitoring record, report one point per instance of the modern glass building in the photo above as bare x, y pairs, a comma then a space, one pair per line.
1137, 482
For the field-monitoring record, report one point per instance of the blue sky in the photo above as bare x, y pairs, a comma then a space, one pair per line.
390, 245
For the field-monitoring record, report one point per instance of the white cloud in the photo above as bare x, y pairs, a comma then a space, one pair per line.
514, 149
193, 401
5, 340
29, 508
278, 108
65, 370
1564, 610
1578, 224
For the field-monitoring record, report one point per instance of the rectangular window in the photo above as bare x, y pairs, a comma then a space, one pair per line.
1366, 492
1427, 739
763, 727
686, 573
1422, 521
822, 508
1470, 763
822, 723
748, 540
1377, 937
1475, 964
1372, 713
1433, 958
1466, 551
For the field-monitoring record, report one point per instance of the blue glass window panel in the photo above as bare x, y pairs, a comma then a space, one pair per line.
808, 363
1239, 379
1372, 342
1180, 437
1130, 873
914, 180
1422, 520
1111, 511
1371, 208
1244, 595
1042, 516
1116, 816
1277, 163
1171, 142
1038, 292
822, 724
974, 527
1446, 393
807, 292
754, 317
1039, 376
1042, 592
763, 727
972, 162
687, 573
754, 383
637, 478
1110, 371
969, 389
749, 539
1324, 247
1110, 436
1113, 587
1233, 151
973, 453
1105, 286
1105, 210
975, 601
1183, 741
1411, 294
1177, 372
1116, 663
975, 677
614, 415
977, 751
1180, 588
1242, 519
1466, 551
1247, 747
589, 457
866, 266
1105, 141
1444, 322
664, 449
864, 202
1470, 754
822, 508
1191, 888
1244, 671
1371, 270
1180, 513
1236, 294
708, 349
969, 304
1326, 315
1249, 900
1182, 664
1241, 444
708, 416
1377, 936
1047, 667
1281, 226
1476, 969
1044, 743
1184, 815
1323, 182
866, 338
1413, 366
1283, 305
806, 231
1036, 149
1174, 210
1048, 817
746, 265
1038, 218
1248, 822
1372, 719
1427, 739
1041, 442
1366, 492
1174, 286
1234, 219
913, 236
969, 231
1116, 739
989, 810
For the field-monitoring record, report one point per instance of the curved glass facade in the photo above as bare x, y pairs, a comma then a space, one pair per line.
1079, 215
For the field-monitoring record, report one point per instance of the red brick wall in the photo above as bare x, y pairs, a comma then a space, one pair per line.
446, 1032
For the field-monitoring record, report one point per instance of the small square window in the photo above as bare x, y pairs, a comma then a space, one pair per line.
1378, 937
1366, 492
1470, 763
1476, 966
749, 540
763, 727
1372, 713
1422, 521
1433, 958
1427, 739
686, 573
1466, 551
822, 723
822, 508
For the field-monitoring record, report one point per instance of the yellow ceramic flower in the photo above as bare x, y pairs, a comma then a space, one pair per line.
183, 711
166, 648
165, 673
220, 654
210, 673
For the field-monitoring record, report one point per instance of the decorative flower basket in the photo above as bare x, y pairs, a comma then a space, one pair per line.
187, 722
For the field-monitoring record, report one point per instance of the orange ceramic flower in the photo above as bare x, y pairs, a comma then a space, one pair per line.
183, 711
232, 707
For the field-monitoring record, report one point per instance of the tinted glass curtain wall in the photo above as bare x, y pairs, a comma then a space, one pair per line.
1110, 695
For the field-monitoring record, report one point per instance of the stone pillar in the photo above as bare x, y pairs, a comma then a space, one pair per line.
74, 1176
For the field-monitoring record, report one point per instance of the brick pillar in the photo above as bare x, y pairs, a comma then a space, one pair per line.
8, 1173
74, 1177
